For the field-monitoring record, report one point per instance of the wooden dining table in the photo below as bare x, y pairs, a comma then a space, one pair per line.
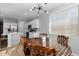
37, 48
43, 51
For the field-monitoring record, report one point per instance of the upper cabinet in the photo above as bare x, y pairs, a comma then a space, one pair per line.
12, 25
34, 23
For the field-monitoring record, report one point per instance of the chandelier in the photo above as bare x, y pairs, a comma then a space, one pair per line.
39, 8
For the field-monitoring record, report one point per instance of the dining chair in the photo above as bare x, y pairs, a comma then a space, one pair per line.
65, 49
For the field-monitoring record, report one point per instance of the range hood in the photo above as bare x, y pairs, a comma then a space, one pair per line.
30, 29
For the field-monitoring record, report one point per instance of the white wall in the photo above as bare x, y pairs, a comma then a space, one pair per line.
74, 43
22, 26
44, 23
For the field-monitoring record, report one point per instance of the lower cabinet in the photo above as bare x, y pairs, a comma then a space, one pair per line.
13, 39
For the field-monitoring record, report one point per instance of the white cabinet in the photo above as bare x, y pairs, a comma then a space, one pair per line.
6, 25
33, 34
34, 23
13, 39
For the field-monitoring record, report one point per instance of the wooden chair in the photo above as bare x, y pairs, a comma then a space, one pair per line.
3, 41
63, 40
65, 49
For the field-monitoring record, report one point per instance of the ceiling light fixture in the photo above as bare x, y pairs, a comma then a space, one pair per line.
39, 8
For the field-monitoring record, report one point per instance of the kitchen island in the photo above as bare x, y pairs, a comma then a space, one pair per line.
13, 39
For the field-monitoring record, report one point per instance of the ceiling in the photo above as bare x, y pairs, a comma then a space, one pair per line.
21, 11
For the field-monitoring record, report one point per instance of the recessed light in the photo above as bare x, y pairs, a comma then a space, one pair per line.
30, 9
47, 12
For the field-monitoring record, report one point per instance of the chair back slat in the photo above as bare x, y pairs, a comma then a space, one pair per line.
63, 40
